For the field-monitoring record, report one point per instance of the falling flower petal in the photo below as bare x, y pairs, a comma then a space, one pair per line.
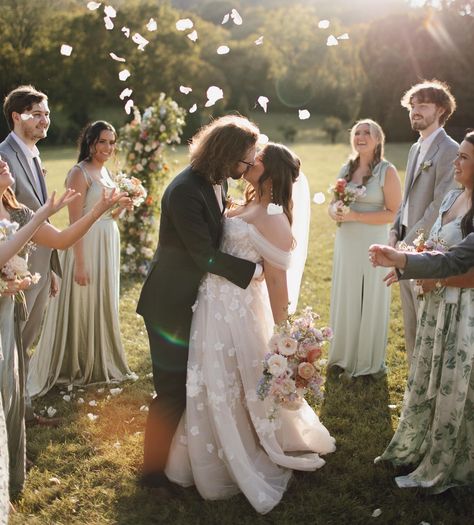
67, 398
319, 198
225, 19
223, 50
128, 106
55, 480
259, 41
262, 139
138, 39
332, 41
26, 116
344, 36
376, 513
186, 90
117, 58
183, 24
110, 11
124, 74
92, 6
51, 411
152, 25
303, 114
93, 403
263, 102
125, 93
193, 36
116, 391
213, 94
274, 209
126, 31
323, 24
193, 108
92, 417
66, 50
236, 17
108, 23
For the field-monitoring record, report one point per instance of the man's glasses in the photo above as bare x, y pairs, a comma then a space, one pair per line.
248, 165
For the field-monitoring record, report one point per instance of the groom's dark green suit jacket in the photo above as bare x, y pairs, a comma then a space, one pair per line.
188, 248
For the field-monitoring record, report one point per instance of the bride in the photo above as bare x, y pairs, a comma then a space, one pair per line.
225, 442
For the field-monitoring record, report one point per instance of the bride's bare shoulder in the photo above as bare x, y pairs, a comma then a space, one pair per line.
276, 229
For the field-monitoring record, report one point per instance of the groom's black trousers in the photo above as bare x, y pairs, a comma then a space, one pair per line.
169, 361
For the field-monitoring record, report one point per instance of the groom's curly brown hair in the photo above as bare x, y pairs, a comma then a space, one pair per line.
217, 148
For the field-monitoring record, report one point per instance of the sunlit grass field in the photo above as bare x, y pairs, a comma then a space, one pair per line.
85, 471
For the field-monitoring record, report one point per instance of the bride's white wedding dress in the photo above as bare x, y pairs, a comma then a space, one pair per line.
225, 442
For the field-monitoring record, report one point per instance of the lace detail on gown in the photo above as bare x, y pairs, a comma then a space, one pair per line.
225, 442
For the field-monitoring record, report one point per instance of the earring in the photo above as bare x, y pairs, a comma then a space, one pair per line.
271, 193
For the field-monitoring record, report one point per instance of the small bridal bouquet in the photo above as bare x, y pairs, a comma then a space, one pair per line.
133, 187
292, 367
17, 267
344, 195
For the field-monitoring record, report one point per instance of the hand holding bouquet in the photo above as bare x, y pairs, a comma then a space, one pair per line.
344, 195
292, 368
136, 192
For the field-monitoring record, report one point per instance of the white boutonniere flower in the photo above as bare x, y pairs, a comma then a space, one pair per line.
426, 165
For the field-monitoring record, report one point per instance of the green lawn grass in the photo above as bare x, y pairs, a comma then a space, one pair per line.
85, 472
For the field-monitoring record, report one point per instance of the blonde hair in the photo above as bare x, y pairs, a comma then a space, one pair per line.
376, 132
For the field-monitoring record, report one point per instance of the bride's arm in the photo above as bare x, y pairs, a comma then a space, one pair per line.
275, 280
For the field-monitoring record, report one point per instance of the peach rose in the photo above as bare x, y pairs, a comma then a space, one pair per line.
306, 370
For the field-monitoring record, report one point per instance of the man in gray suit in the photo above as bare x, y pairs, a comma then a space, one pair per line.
27, 114
429, 176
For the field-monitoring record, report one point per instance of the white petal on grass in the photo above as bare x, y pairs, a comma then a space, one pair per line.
26, 116
392, 407
193, 36
66, 50
376, 513
225, 19
93, 403
303, 114
319, 198
236, 17
323, 24
332, 41
185, 89
116, 391
92, 417
263, 102
116, 444
92, 6
183, 24
108, 23
126, 31
259, 41
223, 50
344, 36
51, 412
193, 108
110, 11
67, 398
213, 94
117, 58
80, 401
124, 74
138, 39
143, 408
152, 25
55, 480
128, 109
274, 209
70, 388
262, 139
100, 390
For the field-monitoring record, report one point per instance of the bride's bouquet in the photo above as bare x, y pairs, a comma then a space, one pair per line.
344, 195
292, 368
17, 267
133, 187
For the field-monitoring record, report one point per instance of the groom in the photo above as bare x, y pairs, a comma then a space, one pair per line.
192, 209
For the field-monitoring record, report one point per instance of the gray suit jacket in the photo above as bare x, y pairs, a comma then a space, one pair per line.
27, 193
458, 260
426, 188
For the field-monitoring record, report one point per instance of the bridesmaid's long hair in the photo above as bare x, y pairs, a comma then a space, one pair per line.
467, 222
376, 132
89, 137
282, 167
9, 200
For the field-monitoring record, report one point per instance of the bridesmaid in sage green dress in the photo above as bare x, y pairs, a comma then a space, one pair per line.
435, 433
360, 301
80, 342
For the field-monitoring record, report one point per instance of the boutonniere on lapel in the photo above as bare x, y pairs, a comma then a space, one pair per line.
425, 165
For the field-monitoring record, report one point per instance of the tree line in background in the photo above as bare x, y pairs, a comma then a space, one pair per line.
388, 49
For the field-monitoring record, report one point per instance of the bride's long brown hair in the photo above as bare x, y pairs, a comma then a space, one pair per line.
282, 167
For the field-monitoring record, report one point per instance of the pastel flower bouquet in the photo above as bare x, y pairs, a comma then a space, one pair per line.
133, 186
344, 195
292, 368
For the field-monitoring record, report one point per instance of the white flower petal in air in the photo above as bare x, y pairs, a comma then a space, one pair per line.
263, 102
108, 23
92, 417
344, 36
259, 41
193, 108
124, 74
193, 36
303, 114
274, 209
376, 513
236, 17
213, 94
126, 31
66, 50
186, 90
262, 139
128, 106
319, 198
92, 6
152, 25
223, 50
332, 41
117, 58
183, 24
225, 19
110, 11
138, 39
323, 24
26, 116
